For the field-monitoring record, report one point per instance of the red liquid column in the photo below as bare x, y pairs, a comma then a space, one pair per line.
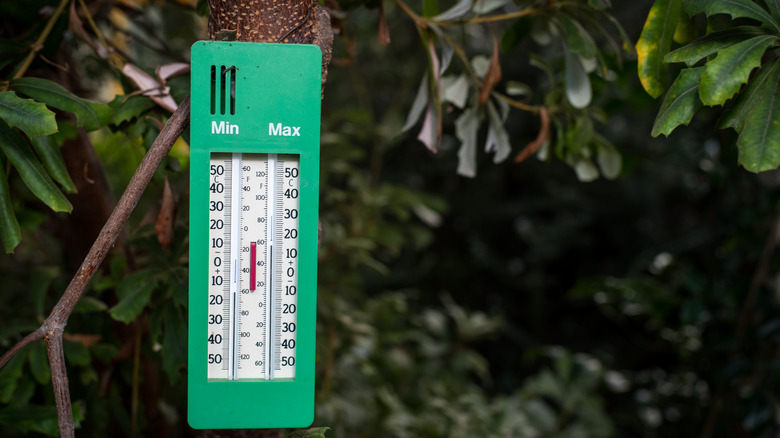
252, 264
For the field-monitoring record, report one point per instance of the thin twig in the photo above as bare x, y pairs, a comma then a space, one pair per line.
38, 44
27, 340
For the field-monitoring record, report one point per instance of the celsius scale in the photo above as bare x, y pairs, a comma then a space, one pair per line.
254, 177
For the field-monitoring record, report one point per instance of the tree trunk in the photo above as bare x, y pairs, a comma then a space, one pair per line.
270, 21
273, 21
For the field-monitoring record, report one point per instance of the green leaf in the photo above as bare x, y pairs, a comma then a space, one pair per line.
759, 141
49, 152
9, 376
734, 8
520, 29
609, 159
130, 108
724, 75
712, 43
578, 40
774, 8
134, 292
90, 115
314, 432
680, 103
654, 42
430, 8
466, 127
32, 172
26, 114
76, 353
39, 363
174, 351
90, 304
734, 117
10, 233
578, 89
685, 31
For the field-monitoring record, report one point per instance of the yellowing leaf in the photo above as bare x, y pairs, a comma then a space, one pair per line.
654, 42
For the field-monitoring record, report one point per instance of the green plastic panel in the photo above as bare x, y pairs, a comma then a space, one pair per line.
271, 105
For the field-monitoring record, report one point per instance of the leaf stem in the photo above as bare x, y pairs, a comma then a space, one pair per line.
112, 58
38, 45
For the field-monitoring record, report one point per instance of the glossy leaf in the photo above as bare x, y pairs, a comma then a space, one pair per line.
712, 43
130, 108
455, 12
486, 6
654, 42
724, 75
466, 127
578, 40
455, 90
90, 115
734, 8
609, 159
774, 8
735, 116
134, 293
759, 141
39, 363
49, 152
418, 106
578, 89
585, 170
174, 352
685, 32
30, 169
26, 114
680, 103
497, 137
10, 233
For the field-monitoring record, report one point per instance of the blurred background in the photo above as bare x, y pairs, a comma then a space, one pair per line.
522, 302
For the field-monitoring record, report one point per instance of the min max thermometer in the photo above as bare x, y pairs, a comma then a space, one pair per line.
254, 130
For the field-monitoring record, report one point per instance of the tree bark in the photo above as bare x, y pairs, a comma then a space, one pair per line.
273, 21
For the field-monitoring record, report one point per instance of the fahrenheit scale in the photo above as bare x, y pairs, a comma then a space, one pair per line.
253, 234
253, 254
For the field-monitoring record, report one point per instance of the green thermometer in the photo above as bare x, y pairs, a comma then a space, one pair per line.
254, 130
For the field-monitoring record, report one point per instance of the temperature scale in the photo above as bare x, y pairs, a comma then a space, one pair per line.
254, 130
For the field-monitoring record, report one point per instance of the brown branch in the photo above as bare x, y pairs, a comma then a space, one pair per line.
53, 326
27, 340
116, 222
59, 380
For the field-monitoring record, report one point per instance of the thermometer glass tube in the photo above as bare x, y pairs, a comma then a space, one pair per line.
253, 264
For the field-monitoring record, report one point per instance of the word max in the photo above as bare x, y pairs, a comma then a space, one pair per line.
284, 131
223, 128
